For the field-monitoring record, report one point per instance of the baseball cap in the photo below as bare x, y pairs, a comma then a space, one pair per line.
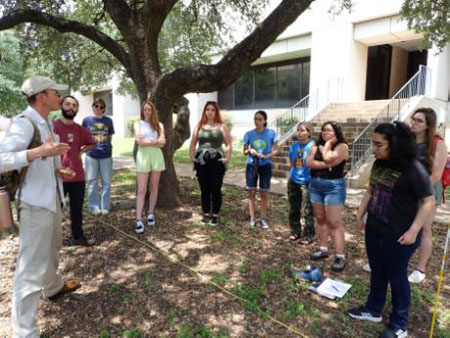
38, 83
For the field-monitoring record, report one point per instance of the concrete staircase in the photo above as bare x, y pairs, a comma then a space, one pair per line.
353, 117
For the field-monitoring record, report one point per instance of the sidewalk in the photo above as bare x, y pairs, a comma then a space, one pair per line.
277, 185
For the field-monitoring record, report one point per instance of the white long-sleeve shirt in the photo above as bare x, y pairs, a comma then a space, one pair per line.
41, 182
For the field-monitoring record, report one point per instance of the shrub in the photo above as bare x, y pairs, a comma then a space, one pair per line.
130, 125
285, 123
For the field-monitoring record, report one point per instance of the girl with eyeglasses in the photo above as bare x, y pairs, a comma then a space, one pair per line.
261, 146
150, 139
99, 160
398, 203
210, 159
432, 153
327, 190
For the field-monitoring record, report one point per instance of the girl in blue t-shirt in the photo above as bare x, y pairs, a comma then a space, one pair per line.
260, 145
298, 187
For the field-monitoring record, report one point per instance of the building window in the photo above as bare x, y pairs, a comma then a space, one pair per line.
279, 85
107, 97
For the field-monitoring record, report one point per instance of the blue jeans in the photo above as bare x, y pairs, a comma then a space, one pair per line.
388, 260
94, 168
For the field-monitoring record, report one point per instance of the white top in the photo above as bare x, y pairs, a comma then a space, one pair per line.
147, 131
41, 181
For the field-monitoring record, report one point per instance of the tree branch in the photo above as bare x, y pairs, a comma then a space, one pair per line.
20, 16
208, 78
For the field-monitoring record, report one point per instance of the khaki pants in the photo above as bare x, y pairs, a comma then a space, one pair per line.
40, 239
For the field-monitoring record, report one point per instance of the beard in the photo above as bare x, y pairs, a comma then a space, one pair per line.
67, 115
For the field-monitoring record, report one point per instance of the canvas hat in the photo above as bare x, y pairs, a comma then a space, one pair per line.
37, 84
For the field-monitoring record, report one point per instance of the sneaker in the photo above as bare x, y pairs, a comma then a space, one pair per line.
95, 211
205, 219
252, 223
151, 220
362, 314
416, 277
139, 228
214, 221
264, 224
318, 255
105, 212
339, 264
83, 241
366, 267
394, 333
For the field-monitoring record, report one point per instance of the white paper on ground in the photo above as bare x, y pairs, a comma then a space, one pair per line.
334, 288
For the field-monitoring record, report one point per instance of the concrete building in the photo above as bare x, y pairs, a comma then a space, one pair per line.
366, 55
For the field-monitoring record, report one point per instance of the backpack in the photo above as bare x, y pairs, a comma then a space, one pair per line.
445, 178
12, 181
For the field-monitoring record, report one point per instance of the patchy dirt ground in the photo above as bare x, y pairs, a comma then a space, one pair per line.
157, 286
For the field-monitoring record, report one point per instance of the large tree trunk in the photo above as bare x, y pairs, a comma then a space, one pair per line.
168, 193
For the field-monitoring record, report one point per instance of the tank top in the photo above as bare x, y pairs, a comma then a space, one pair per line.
211, 138
147, 131
328, 173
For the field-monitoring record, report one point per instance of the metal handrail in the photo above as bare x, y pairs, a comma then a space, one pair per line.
296, 114
361, 146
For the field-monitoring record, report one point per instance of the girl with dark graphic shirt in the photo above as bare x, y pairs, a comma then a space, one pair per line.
398, 203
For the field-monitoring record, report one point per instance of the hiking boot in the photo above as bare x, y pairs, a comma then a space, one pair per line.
339, 264
264, 224
394, 333
69, 286
205, 219
151, 220
214, 221
318, 255
139, 228
361, 313
416, 277
252, 223
83, 241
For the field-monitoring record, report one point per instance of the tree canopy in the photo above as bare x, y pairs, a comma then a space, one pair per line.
162, 47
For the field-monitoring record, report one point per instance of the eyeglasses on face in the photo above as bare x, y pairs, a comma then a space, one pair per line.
378, 145
97, 106
416, 120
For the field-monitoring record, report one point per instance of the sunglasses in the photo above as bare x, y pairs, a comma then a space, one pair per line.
97, 106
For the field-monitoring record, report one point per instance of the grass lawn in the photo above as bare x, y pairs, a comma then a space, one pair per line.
124, 146
147, 288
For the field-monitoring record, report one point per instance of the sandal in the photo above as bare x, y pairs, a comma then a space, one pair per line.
294, 237
306, 240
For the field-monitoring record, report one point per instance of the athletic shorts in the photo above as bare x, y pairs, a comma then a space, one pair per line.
149, 159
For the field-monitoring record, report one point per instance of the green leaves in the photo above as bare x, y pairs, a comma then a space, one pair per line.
431, 18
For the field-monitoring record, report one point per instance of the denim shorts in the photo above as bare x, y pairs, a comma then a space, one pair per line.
263, 172
327, 191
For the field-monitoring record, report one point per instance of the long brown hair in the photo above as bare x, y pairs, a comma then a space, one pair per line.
154, 120
430, 133
307, 127
217, 116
